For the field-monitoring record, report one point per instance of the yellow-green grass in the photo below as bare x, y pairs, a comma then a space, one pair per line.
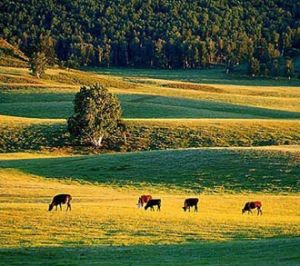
231, 170
214, 75
48, 103
279, 96
102, 215
19, 134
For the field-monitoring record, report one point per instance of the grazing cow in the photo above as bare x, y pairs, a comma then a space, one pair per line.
153, 202
253, 205
143, 199
59, 200
192, 202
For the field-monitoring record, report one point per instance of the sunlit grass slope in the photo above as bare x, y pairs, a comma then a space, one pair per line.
215, 76
49, 103
197, 170
102, 215
279, 95
19, 134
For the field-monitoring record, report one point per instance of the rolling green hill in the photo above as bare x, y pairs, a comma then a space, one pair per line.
44, 104
195, 169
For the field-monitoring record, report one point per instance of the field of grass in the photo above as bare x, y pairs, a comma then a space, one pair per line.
216, 75
20, 134
104, 216
261, 252
208, 169
283, 97
45, 103
105, 227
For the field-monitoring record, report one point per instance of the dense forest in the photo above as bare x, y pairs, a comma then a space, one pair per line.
156, 33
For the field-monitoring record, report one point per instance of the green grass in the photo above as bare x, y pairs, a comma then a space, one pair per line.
259, 252
197, 170
38, 104
215, 75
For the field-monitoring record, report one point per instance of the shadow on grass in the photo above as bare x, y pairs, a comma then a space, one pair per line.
258, 252
186, 169
59, 105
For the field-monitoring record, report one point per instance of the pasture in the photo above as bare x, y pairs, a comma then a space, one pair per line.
193, 170
106, 218
163, 110
47, 103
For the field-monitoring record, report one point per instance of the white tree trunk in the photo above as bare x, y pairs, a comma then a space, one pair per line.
97, 142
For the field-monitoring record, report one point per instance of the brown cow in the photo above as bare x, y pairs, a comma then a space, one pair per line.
253, 205
59, 200
191, 202
143, 199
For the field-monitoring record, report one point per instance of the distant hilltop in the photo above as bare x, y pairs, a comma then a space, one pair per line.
173, 34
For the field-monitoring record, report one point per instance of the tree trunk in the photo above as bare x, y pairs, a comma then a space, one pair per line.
97, 142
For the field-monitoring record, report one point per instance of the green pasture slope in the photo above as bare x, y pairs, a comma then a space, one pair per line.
260, 252
234, 170
37, 103
215, 75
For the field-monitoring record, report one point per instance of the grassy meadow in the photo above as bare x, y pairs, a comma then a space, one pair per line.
193, 170
168, 114
105, 218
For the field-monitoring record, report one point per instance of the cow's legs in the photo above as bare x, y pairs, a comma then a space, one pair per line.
158, 208
60, 206
259, 211
69, 206
196, 208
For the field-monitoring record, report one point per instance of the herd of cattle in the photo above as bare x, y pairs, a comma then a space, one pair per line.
60, 199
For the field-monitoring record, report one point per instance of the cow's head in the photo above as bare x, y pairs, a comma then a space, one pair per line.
243, 210
184, 208
50, 207
140, 203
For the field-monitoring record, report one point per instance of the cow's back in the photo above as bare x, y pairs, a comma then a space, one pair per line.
62, 198
191, 201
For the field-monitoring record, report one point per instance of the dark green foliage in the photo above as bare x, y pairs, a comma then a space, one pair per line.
289, 68
254, 67
165, 34
96, 115
37, 64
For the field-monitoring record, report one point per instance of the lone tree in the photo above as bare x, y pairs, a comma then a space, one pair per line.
38, 63
97, 114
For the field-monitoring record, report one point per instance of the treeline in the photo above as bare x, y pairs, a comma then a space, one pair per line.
156, 33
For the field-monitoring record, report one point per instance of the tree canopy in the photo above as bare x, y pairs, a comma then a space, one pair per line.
97, 114
154, 33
